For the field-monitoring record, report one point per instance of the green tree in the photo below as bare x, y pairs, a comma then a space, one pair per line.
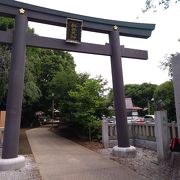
141, 94
165, 93
51, 66
88, 105
110, 99
79, 97
6, 23
4, 68
46, 71
42, 67
30, 88
61, 84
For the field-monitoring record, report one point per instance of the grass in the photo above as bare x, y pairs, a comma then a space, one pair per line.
24, 146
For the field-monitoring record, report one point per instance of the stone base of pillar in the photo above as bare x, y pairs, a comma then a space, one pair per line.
125, 152
12, 164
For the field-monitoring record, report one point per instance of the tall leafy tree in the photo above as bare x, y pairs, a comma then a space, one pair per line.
77, 96
88, 104
63, 82
6, 23
51, 66
4, 68
42, 66
165, 93
141, 94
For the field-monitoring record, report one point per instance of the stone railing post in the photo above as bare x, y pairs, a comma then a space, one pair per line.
173, 126
105, 133
132, 133
176, 85
162, 134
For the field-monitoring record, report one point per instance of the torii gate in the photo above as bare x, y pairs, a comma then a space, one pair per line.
20, 38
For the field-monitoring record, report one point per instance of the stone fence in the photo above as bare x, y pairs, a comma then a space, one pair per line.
155, 136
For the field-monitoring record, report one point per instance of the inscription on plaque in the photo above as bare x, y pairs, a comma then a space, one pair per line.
73, 30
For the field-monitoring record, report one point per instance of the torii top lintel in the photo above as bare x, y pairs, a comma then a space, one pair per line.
54, 17
20, 38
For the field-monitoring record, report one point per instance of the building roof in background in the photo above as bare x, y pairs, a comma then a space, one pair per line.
129, 104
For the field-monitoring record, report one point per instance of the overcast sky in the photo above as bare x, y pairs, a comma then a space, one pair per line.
164, 39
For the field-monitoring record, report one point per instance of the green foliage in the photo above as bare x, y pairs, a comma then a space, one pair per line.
165, 93
61, 84
49, 67
141, 94
109, 98
43, 67
88, 105
95, 129
6, 23
4, 68
31, 90
78, 97
88, 96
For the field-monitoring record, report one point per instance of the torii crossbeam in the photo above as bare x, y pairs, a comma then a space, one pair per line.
20, 38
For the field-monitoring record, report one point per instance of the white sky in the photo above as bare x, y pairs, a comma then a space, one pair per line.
164, 39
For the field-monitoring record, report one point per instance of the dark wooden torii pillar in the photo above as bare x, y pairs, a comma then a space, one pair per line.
20, 39
15, 89
118, 89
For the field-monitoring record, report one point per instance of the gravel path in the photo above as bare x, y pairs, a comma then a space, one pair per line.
147, 165
29, 172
